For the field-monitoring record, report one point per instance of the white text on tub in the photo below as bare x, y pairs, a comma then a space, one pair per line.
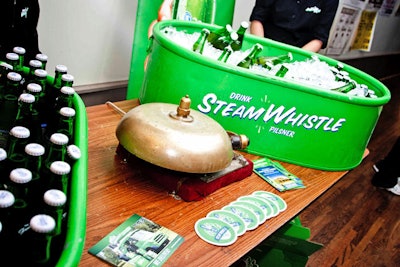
280, 114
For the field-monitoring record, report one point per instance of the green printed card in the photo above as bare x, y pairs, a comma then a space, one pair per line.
137, 242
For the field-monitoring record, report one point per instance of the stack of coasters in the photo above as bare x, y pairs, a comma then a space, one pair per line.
223, 227
188, 186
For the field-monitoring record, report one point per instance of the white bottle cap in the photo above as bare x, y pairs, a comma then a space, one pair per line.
7, 199
35, 63
59, 139
67, 112
19, 50
40, 73
21, 176
60, 167
42, 57
68, 90
67, 77
61, 68
26, 98
74, 152
42, 223
13, 76
34, 149
12, 56
34, 88
3, 154
20, 132
55, 197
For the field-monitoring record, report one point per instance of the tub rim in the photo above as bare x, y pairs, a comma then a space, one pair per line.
190, 26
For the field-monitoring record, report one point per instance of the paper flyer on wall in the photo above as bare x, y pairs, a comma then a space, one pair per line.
137, 242
354, 24
344, 26
388, 7
365, 31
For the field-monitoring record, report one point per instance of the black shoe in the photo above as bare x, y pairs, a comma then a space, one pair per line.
386, 176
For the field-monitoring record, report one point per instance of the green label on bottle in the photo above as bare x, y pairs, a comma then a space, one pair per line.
195, 10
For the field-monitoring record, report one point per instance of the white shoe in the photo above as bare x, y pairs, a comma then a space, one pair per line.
396, 189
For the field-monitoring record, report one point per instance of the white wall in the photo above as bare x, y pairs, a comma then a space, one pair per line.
93, 38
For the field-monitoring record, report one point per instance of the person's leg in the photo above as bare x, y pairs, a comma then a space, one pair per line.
387, 170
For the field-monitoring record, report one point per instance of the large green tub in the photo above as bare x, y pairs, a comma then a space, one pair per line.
269, 110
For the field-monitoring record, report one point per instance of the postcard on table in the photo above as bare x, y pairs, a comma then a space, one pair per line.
137, 242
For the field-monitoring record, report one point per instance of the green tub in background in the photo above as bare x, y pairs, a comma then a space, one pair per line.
284, 120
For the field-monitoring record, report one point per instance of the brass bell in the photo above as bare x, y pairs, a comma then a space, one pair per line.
176, 138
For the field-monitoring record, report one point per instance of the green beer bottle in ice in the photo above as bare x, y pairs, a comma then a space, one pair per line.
198, 46
225, 54
194, 10
250, 59
237, 45
275, 60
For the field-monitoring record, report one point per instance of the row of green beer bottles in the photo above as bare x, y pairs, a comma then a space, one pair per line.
222, 38
24, 110
230, 41
30, 181
40, 232
49, 97
21, 153
36, 142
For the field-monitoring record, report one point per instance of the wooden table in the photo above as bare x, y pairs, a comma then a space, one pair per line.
117, 190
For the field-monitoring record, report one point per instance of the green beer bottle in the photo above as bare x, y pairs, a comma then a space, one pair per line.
224, 38
250, 59
41, 79
275, 60
43, 59
9, 105
198, 46
35, 90
27, 116
34, 158
4, 169
67, 80
57, 83
18, 139
54, 205
194, 10
225, 54
19, 186
33, 66
73, 154
5, 68
7, 200
13, 59
59, 71
237, 45
64, 123
65, 98
350, 85
38, 238
57, 150
20, 51
59, 176
220, 33
282, 71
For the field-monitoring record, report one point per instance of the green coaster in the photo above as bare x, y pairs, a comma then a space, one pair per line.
268, 195
249, 217
234, 220
215, 231
254, 208
262, 203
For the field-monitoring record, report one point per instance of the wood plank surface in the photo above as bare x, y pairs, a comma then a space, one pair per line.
116, 190
358, 223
